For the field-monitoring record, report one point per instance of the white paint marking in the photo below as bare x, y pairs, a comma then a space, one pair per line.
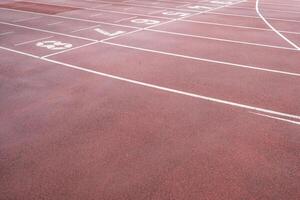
156, 11
206, 60
145, 21
6, 33
124, 19
82, 29
27, 19
107, 33
19, 52
278, 33
250, 16
278, 118
210, 99
235, 26
95, 15
54, 45
72, 18
174, 13
37, 29
18, 44
220, 39
55, 23
70, 49
197, 7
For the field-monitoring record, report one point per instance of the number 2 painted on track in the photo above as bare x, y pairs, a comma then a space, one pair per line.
107, 33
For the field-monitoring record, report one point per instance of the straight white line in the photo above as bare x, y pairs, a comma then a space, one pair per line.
129, 8
211, 99
147, 6
72, 18
56, 33
18, 44
267, 9
52, 54
106, 10
251, 16
27, 19
278, 33
235, 26
124, 19
156, 11
19, 52
148, 85
195, 13
206, 60
279, 4
55, 23
95, 15
220, 39
103, 6
6, 33
278, 118
82, 29
85, 45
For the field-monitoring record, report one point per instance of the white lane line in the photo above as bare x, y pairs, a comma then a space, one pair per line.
124, 19
6, 33
55, 23
251, 16
85, 45
42, 30
235, 26
106, 10
220, 39
277, 118
95, 15
272, 10
59, 52
179, 55
82, 29
166, 89
206, 60
126, 9
278, 33
156, 11
19, 52
21, 43
27, 19
72, 18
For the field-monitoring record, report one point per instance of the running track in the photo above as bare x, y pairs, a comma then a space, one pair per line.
150, 99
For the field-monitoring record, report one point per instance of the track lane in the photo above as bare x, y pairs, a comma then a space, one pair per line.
208, 79
215, 50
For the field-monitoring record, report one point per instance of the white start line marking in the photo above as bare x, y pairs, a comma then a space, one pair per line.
54, 45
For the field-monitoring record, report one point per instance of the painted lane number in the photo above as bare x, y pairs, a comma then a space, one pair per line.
54, 45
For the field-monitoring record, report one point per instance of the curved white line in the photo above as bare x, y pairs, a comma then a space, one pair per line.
278, 33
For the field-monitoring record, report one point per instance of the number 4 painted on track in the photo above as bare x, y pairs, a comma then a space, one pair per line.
107, 33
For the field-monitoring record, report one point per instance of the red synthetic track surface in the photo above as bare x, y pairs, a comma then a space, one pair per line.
150, 99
